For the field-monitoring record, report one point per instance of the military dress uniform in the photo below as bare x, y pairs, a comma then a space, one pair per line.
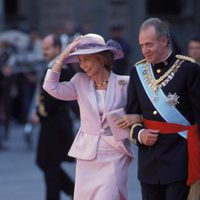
55, 139
174, 83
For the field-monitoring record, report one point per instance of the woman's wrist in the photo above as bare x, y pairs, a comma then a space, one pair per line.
58, 64
58, 61
60, 58
135, 118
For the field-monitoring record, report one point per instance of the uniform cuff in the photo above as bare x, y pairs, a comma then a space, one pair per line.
135, 128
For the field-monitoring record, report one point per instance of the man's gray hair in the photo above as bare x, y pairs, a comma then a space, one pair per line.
161, 27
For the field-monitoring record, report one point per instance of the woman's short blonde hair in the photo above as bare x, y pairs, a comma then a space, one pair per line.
108, 59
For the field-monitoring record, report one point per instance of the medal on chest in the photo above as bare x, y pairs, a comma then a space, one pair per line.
162, 81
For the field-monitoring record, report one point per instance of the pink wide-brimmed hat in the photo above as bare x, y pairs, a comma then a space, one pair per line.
92, 43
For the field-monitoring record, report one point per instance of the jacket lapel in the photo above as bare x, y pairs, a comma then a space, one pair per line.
92, 98
110, 94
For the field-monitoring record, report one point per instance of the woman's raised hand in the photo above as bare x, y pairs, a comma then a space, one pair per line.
69, 49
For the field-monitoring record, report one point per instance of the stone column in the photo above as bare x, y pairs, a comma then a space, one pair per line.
92, 11
54, 13
196, 11
137, 13
1, 15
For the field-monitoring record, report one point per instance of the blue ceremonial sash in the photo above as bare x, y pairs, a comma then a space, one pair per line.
169, 113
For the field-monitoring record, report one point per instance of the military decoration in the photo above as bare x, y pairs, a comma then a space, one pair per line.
172, 99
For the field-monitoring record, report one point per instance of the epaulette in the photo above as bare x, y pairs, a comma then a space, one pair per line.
185, 58
141, 61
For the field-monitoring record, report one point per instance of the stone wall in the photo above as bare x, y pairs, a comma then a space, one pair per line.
53, 14
49, 15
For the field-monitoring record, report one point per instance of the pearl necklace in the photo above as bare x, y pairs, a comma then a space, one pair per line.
101, 84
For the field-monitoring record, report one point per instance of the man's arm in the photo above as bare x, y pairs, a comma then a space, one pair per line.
133, 106
194, 92
138, 134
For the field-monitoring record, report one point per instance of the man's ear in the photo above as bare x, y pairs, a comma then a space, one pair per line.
165, 41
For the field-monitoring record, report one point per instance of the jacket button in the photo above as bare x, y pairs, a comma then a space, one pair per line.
158, 71
155, 112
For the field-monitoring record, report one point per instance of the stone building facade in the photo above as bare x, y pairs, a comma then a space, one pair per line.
48, 15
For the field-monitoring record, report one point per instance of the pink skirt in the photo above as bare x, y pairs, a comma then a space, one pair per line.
105, 177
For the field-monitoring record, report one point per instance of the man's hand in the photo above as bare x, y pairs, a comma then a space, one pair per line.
35, 118
149, 137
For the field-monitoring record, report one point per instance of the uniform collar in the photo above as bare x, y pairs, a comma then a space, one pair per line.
165, 62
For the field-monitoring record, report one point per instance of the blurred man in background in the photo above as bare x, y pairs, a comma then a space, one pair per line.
6, 84
121, 66
194, 48
56, 133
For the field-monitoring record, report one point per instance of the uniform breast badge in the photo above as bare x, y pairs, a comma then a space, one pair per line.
172, 99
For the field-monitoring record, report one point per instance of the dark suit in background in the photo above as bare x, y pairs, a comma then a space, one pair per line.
55, 139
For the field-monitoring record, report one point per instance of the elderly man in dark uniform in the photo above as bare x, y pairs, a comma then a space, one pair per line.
56, 133
164, 88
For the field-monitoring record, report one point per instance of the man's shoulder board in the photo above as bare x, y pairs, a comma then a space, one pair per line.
185, 58
141, 61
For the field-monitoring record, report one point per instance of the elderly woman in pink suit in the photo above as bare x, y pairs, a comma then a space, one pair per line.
102, 161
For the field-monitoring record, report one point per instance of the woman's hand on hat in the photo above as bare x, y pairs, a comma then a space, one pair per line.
70, 48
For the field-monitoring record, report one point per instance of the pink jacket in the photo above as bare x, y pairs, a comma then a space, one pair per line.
81, 88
